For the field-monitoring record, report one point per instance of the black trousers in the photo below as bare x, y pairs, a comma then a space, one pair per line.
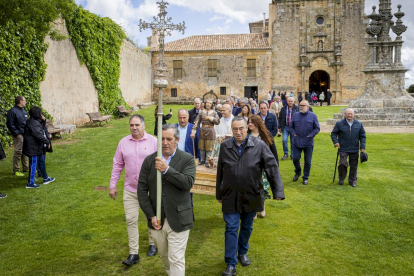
343, 166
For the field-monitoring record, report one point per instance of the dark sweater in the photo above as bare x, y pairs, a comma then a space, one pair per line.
350, 139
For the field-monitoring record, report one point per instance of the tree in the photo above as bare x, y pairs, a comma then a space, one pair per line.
411, 88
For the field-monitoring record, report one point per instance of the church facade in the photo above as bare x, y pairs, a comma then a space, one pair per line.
319, 45
304, 45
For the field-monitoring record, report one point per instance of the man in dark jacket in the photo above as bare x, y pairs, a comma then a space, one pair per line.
328, 96
16, 122
268, 118
178, 173
285, 118
304, 127
349, 137
194, 112
239, 189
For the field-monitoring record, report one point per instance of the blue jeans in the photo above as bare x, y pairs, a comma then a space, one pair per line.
42, 164
285, 138
235, 242
35, 161
308, 158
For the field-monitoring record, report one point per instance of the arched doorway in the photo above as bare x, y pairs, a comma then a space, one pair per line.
319, 81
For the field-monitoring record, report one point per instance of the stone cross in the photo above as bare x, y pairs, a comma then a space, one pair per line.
163, 26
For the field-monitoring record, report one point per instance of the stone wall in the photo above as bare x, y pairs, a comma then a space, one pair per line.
68, 91
231, 73
135, 79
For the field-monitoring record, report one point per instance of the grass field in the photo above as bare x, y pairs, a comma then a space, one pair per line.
69, 228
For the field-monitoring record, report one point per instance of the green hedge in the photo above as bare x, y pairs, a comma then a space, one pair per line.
22, 68
98, 42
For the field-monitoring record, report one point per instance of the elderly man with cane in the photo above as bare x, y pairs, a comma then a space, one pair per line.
349, 137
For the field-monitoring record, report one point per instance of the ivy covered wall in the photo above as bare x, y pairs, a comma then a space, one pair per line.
22, 68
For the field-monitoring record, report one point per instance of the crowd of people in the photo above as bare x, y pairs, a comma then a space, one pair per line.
247, 167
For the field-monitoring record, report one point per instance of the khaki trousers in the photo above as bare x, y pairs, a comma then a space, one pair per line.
18, 155
131, 207
171, 247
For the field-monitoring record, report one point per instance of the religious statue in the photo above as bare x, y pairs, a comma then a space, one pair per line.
207, 118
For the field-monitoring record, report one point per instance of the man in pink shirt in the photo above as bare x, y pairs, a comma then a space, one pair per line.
131, 152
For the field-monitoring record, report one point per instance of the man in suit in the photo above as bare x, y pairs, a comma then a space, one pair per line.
194, 112
184, 128
178, 173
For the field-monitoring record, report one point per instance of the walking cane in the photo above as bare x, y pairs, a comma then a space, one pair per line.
336, 165
195, 158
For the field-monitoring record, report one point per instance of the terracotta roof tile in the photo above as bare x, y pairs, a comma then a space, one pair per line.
252, 41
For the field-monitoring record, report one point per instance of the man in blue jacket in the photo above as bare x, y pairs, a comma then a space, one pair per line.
268, 118
16, 122
304, 127
349, 137
184, 127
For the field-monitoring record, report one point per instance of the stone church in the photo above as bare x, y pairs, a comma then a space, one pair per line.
304, 45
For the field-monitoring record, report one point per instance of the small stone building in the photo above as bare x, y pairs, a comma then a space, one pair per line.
232, 64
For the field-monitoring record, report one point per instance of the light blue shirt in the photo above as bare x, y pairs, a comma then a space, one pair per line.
349, 123
183, 136
168, 161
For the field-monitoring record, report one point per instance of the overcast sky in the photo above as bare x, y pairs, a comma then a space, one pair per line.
222, 17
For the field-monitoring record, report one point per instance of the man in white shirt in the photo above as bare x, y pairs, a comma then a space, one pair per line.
225, 122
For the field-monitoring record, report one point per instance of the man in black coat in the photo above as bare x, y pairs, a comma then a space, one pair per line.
16, 122
349, 137
239, 189
194, 112
328, 96
178, 173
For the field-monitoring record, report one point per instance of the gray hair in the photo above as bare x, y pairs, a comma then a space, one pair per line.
186, 111
243, 100
137, 116
173, 127
239, 118
197, 99
231, 99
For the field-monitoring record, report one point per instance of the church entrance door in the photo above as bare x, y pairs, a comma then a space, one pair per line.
319, 81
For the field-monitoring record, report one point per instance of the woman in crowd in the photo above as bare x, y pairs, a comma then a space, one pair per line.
246, 112
258, 129
34, 142
42, 158
164, 119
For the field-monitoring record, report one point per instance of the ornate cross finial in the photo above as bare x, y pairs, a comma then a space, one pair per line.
164, 28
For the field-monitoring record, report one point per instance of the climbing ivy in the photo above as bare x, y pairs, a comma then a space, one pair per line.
22, 68
98, 42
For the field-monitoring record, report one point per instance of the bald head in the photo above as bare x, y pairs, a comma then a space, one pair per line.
226, 111
349, 114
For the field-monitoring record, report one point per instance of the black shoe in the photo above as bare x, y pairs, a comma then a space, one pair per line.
353, 185
305, 182
284, 157
244, 260
296, 177
132, 259
152, 251
230, 271
3, 195
341, 182
207, 165
201, 162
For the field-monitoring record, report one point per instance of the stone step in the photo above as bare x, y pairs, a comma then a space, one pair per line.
381, 110
378, 123
385, 116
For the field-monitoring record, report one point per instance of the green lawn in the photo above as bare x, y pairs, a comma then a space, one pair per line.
68, 228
